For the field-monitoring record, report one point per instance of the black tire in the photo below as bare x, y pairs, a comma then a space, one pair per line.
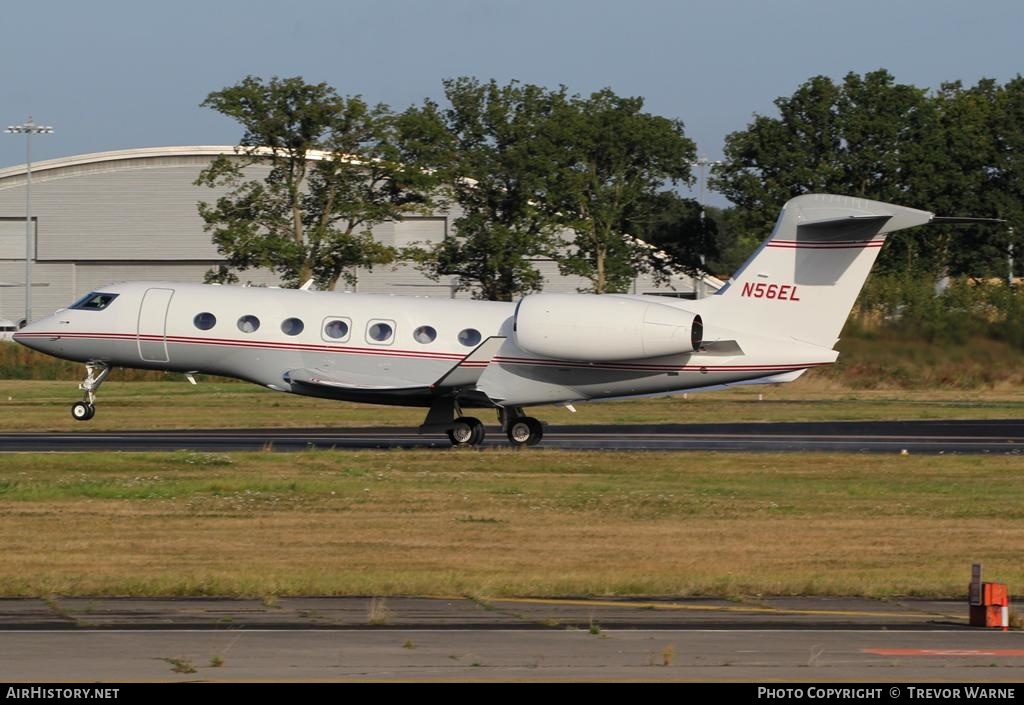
468, 431
82, 411
525, 431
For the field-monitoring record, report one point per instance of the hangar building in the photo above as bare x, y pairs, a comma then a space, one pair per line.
131, 214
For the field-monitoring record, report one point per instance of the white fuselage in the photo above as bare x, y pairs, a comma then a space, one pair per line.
370, 345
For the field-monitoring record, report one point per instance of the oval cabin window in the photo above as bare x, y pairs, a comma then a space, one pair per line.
204, 321
248, 324
469, 337
292, 326
380, 332
336, 329
425, 334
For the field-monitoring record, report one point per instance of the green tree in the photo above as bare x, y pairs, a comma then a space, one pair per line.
337, 168
874, 138
682, 239
868, 137
984, 143
776, 159
1007, 193
615, 159
491, 148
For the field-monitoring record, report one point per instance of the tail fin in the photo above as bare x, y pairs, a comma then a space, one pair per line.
803, 280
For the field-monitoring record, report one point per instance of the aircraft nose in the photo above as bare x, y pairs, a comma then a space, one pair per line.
38, 336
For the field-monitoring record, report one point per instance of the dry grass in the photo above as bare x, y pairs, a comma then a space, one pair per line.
543, 523
884, 378
44, 406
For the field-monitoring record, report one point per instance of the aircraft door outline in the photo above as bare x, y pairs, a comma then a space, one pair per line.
152, 325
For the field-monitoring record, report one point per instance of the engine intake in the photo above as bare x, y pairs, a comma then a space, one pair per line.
593, 328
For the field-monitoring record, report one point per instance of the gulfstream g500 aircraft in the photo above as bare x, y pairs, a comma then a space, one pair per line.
779, 315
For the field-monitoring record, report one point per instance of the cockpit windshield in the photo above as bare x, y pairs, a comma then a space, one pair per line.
93, 301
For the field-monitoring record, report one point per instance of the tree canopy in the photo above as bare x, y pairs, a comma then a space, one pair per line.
537, 173
954, 151
615, 161
492, 150
681, 234
532, 173
337, 167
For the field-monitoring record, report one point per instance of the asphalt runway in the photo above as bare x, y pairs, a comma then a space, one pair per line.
345, 639
980, 437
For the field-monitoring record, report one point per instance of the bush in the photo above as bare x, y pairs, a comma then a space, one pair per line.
19, 362
962, 311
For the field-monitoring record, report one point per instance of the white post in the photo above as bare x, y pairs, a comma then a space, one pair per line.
28, 129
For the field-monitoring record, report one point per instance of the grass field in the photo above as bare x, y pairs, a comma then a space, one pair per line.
891, 379
500, 522
45, 406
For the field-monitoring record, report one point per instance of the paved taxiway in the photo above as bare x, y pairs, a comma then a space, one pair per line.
989, 436
415, 638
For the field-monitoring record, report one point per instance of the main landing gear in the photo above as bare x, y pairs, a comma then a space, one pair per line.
467, 431
95, 373
521, 431
525, 431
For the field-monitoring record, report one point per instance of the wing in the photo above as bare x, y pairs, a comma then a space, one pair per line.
469, 369
348, 385
394, 390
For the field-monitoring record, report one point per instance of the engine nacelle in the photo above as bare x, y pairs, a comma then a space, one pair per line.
596, 328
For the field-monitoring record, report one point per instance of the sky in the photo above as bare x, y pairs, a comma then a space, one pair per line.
117, 74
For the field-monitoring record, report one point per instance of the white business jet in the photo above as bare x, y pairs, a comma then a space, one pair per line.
780, 315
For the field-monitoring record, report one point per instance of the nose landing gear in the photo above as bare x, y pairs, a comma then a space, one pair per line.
83, 410
95, 373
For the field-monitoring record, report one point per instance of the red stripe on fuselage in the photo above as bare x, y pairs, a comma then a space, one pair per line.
424, 355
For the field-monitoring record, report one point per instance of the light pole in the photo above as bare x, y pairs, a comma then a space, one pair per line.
702, 163
28, 129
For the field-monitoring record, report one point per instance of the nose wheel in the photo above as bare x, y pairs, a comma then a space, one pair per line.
83, 410
95, 373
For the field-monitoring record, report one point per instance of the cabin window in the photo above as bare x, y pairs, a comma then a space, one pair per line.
469, 337
380, 332
336, 329
425, 334
204, 321
248, 324
292, 326
93, 301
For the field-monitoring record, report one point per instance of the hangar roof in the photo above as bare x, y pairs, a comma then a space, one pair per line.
121, 159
